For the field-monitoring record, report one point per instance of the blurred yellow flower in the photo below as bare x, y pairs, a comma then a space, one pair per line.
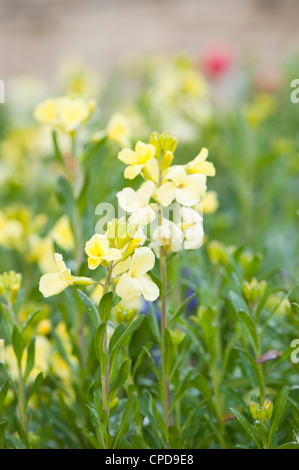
54, 283
98, 251
42, 355
62, 234
64, 113
209, 202
118, 129
44, 327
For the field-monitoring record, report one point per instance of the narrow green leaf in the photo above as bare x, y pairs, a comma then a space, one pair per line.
126, 420
3, 392
175, 440
3, 427
247, 426
249, 323
98, 344
18, 344
38, 381
131, 328
181, 309
120, 379
90, 307
153, 323
105, 306
30, 359
279, 406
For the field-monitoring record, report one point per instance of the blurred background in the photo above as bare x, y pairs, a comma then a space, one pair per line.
36, 35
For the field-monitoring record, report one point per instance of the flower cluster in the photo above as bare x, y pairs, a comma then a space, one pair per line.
64, 113
164, 184
119, 251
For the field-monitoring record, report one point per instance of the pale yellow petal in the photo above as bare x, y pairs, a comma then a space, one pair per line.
129, 200
52, 284
166, 193
132, 171
143, 260
128, 288
128, 156
150, 290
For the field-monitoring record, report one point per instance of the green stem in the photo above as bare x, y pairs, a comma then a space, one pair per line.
165, 379
23, 417
105, 372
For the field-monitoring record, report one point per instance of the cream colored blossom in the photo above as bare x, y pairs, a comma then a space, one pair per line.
137, 203
135, 282
186, 189
192, 227
169, 236
54, 283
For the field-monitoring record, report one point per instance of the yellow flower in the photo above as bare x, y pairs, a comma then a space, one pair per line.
186, 189
64, 113
168, 235
62, 234
209, 202
141, 158
42, 353
54, 283
137, 203
44, 327
135, 282
98, 251
200, 165
118, 129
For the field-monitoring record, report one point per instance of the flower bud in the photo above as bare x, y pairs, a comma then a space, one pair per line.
163, 143
254, 290
261, 413
166, 160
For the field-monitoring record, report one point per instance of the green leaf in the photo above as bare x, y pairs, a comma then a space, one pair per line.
119, 330
181, 310
289, 445
153, 323
278, 409
18, 344
247, 426
105, 306
120, 379
3, 427
126, 420
30, 359
98, 344
90, 307
175, 440
3, 392
249, 323
38, 381
29, 319
131, 328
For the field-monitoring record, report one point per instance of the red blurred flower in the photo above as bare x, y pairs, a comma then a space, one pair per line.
216, 61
